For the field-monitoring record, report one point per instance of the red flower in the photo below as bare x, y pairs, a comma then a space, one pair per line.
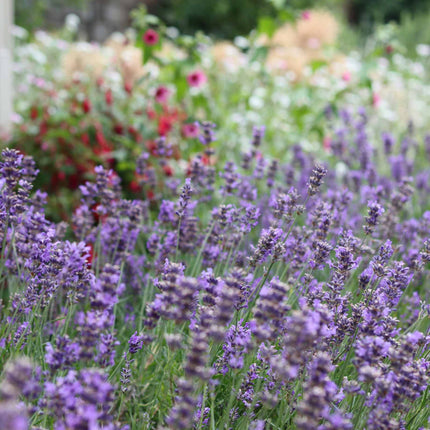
168, 170
34, 113
206, 160
98, 217
43, 128
85, 139
128, 87
118, 129
103, 146
134, 186
150, 37
151, 113
109, 97
57, 178
100, 138
165, 124
152, 147
86, 105
135, 134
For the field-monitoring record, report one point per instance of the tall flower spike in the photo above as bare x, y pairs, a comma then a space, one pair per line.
184, 198
257, 135
207, 132
375, 210
316, 179
10, 167
266, 245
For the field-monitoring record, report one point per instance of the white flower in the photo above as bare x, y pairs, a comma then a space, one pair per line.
423, 50
72, 22
19, 32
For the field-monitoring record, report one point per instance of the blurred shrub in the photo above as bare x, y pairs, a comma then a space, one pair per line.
413, 30
31, 14
223, 18
366, 13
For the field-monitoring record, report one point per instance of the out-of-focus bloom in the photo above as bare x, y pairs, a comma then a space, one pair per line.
228, 56
346, 76
84, 58
423, 50
191, 130
86, 106
306, 14
293, 48
109, 97
72, 22
162, 94
151, 37
376, 98
196, 78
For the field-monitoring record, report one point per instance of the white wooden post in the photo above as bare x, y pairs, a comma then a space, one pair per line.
6, 80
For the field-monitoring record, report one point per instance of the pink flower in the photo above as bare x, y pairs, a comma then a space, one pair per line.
161, 94
190, 130
150, 37
196, 78
376, 98
306, 14
346, 76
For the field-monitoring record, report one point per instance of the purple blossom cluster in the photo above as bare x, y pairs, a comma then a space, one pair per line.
269, 294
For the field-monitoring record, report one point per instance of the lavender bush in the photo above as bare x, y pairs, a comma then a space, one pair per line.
262, 294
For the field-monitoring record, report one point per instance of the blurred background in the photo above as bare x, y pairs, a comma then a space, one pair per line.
225, 19
99, 81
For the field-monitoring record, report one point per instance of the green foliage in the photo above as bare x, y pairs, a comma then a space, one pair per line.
368, 12
36, 17
223, 18
413, 29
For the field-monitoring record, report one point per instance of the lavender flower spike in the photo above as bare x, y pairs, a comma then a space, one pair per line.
184, 198
316, 178
375, 210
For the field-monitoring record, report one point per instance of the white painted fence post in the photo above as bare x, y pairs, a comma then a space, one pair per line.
6, 79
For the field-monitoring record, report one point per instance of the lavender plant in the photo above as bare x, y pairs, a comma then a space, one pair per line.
265, 294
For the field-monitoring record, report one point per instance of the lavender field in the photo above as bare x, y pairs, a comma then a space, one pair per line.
190, 245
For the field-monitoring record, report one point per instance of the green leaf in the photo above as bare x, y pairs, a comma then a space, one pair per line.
259, 54
318, 64
266, 25
287, 15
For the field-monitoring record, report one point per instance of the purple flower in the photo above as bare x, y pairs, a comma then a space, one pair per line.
266, 245
135, 343
236, 344
207, 135
184, 198
375, 210
257, 135
315, 181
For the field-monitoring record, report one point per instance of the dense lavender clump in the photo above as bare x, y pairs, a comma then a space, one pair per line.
262, 294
